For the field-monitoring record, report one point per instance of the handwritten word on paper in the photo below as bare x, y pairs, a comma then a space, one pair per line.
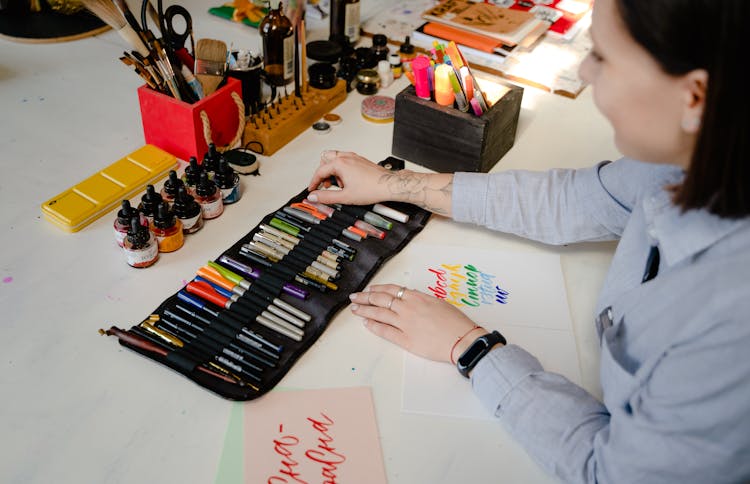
313, 436
465, 285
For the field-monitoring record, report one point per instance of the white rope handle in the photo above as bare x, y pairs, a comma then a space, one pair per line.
240, 126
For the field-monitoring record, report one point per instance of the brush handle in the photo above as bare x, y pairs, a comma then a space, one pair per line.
133, 39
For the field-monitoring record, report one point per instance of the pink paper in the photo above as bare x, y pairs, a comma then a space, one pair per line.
313, 436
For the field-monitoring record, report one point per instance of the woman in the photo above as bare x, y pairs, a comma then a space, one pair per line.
672, 315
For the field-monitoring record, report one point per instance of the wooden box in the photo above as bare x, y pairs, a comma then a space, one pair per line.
447, 140
181, 128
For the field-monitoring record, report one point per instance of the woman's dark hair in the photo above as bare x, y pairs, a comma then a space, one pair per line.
683, 35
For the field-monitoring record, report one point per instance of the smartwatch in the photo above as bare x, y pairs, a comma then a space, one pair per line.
476, 351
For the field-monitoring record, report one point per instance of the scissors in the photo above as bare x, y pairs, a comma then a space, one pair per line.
175, 39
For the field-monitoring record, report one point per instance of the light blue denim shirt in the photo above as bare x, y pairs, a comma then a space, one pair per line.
675, 363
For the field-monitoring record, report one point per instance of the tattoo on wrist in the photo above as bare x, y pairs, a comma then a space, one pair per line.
415, 188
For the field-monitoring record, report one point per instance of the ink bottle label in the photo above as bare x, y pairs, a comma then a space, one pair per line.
192, 224
231, 195
212, 208
351, 22
141, 257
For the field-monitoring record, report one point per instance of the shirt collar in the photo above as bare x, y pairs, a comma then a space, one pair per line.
679, 234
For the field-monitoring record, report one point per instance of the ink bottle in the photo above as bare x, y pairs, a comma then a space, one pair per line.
345, 19
278, 47
407, 51
368, 81
149, 201
140, 247
380, 47
122, 222
228, 182
171, 185
208, 195
167, 229
192, 174
210, 161
397, 67
188, 211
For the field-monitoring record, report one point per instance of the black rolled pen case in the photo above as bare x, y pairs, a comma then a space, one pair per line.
209, 345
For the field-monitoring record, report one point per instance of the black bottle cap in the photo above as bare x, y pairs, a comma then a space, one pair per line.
406, 47
126, 213
205, 187
164, 218
379, 40
138, 235
192, 172
149, 201
211, 159
172, 184
324, 51
185, 205
225, 177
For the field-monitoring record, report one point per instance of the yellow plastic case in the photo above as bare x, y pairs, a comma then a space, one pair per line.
85, 202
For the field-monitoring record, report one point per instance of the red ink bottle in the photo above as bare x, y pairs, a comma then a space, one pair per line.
140, 247
209, 197
169, 190
122, 222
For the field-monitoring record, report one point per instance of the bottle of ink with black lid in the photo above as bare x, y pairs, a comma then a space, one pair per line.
228, 182
149, 201
140, 247
192, 174
171, 185
209, 197
122, 221
211, 160
167, 229
188, 211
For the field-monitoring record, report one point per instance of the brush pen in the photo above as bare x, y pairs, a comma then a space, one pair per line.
199, 348
207, 293
297, 230
144, 344
366, 215
282, 252
306, 217
237, 354
286, 271
221, 338
245, 284
336, 223
251, 337
348, 218
295, 241
291, 242
297, 265
212, 281
269, 279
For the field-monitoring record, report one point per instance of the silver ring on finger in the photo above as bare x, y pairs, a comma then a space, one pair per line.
400, 293
390, 303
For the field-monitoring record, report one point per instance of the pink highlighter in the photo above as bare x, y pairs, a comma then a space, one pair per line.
420, 66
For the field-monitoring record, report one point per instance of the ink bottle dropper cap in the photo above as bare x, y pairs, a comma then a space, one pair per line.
206, 187
406, 49
149, 201
164, 218
211, 159
225, 176
192, 172
169, 190
126, 213
138, 235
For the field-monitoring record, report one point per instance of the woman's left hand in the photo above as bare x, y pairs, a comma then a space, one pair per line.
419, 323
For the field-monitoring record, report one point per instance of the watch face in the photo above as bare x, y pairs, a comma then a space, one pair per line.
472, 352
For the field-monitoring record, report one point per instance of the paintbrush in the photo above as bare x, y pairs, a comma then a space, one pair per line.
210, 63
108, 12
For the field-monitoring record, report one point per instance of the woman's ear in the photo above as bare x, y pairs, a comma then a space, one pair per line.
695, 86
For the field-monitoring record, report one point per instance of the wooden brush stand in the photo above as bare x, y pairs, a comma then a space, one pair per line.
280, 123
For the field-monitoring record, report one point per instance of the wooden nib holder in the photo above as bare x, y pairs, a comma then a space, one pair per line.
281, 122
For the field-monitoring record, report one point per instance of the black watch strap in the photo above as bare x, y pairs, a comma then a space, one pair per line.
476, 351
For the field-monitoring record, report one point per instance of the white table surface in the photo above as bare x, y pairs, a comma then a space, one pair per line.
78, 408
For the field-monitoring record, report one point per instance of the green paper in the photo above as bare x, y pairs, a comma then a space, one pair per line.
231, 465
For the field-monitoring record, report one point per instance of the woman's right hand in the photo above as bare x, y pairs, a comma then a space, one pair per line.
361, 181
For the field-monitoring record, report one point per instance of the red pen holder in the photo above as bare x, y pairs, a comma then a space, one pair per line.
184, 129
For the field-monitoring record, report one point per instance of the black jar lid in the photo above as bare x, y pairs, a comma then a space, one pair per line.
324, 51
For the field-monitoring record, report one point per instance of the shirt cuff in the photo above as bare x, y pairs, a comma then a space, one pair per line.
469, 196
499, 372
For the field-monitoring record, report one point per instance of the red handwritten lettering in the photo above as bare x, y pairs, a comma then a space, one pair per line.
284, 448
325, 453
